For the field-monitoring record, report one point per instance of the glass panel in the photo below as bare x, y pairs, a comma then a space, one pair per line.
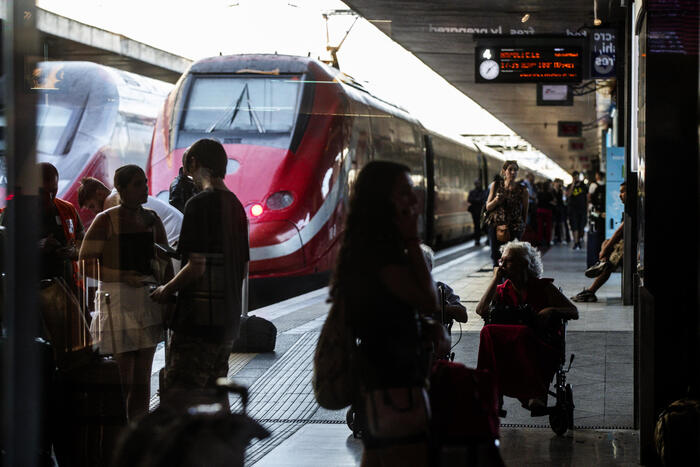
52, 123
257, 105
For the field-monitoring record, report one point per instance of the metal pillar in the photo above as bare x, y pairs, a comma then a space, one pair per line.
21, 380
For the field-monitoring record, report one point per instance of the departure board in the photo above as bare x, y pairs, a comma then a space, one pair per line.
528, 65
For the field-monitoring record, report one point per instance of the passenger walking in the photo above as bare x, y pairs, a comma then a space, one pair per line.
529, 183
214, 248
576, 200
609, 259
596, 216
476, 200
119, 251
383, 283
545, 210
561, 226
507, 205
94, 196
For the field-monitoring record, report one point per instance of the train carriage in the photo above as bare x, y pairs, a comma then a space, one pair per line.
297, 132
92, 119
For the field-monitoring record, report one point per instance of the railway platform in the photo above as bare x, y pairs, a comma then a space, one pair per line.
304, 434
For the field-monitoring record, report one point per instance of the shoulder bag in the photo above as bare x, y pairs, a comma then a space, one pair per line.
332, 379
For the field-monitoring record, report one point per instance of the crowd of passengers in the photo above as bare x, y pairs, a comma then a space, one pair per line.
393, 310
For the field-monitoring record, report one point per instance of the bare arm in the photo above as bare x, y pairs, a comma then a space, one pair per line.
162, 238
412, 283
193, 270
609, 244
457, 311
493, 200
490, 293
560, 306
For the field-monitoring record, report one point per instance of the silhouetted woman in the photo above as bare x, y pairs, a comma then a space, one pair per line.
382, 280
129, 324
507, 204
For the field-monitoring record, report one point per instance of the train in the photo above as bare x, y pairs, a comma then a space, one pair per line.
297, 132
92, 119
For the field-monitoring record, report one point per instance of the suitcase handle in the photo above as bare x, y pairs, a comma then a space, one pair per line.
224, 386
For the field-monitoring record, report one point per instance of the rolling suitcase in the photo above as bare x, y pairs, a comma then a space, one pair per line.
192, 427
88, 408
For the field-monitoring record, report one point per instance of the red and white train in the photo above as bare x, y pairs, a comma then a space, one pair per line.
92, 119
297, 132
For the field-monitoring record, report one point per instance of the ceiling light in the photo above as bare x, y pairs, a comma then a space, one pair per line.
525, 17
596, 20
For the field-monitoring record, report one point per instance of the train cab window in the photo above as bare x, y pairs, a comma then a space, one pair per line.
243, 105
52, 124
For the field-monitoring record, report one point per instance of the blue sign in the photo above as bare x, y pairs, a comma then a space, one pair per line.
615, 174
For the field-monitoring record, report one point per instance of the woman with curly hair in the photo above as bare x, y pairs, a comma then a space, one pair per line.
523, 313
385, 286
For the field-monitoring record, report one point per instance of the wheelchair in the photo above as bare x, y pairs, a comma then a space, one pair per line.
561, 415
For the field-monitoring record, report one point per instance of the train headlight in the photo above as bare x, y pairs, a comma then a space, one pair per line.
256, 210
279, 200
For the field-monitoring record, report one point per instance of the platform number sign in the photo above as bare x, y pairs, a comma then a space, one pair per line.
603, 45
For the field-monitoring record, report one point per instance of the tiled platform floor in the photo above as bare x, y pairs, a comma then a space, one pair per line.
305, 435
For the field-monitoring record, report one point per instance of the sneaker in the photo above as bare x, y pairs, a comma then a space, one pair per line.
597, 269
585, 296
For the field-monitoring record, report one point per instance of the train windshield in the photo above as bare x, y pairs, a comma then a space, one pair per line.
53, 121
243, 104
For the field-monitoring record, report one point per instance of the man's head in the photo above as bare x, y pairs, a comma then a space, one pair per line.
49, 180
206, 157
599, 176
574, 174
477, 184
623, 191
92, 194
530, 177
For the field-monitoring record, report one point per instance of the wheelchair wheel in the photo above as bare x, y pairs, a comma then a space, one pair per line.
350, 419
569, 404
558, 420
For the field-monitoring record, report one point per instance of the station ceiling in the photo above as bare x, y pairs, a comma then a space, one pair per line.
443, 34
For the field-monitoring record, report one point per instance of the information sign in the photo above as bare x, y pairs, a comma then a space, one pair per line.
543, 64
603, 53
614, 175
568, 129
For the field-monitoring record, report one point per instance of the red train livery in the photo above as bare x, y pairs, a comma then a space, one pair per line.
297, 132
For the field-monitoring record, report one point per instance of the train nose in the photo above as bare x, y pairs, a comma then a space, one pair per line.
275, 246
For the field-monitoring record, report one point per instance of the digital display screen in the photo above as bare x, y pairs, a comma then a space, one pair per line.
528, 65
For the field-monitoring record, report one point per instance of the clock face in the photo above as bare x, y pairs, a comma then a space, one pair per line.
488, 69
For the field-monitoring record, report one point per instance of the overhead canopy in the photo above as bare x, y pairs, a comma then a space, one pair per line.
65, 39
444, 35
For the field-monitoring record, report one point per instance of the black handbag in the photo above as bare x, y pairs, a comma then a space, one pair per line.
509, 314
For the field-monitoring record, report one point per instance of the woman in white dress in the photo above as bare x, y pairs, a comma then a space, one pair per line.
120, 247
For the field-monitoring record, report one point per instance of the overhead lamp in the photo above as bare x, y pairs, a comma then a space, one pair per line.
596, 20
525, 17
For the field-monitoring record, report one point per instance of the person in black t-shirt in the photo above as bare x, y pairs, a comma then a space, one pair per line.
214, 248
576, 197
476, 200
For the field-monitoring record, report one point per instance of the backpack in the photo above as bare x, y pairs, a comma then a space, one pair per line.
598, 199
256, 335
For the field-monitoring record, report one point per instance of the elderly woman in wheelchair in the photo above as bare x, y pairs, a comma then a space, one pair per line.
522, 342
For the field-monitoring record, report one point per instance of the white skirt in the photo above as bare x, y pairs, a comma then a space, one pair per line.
131, 320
